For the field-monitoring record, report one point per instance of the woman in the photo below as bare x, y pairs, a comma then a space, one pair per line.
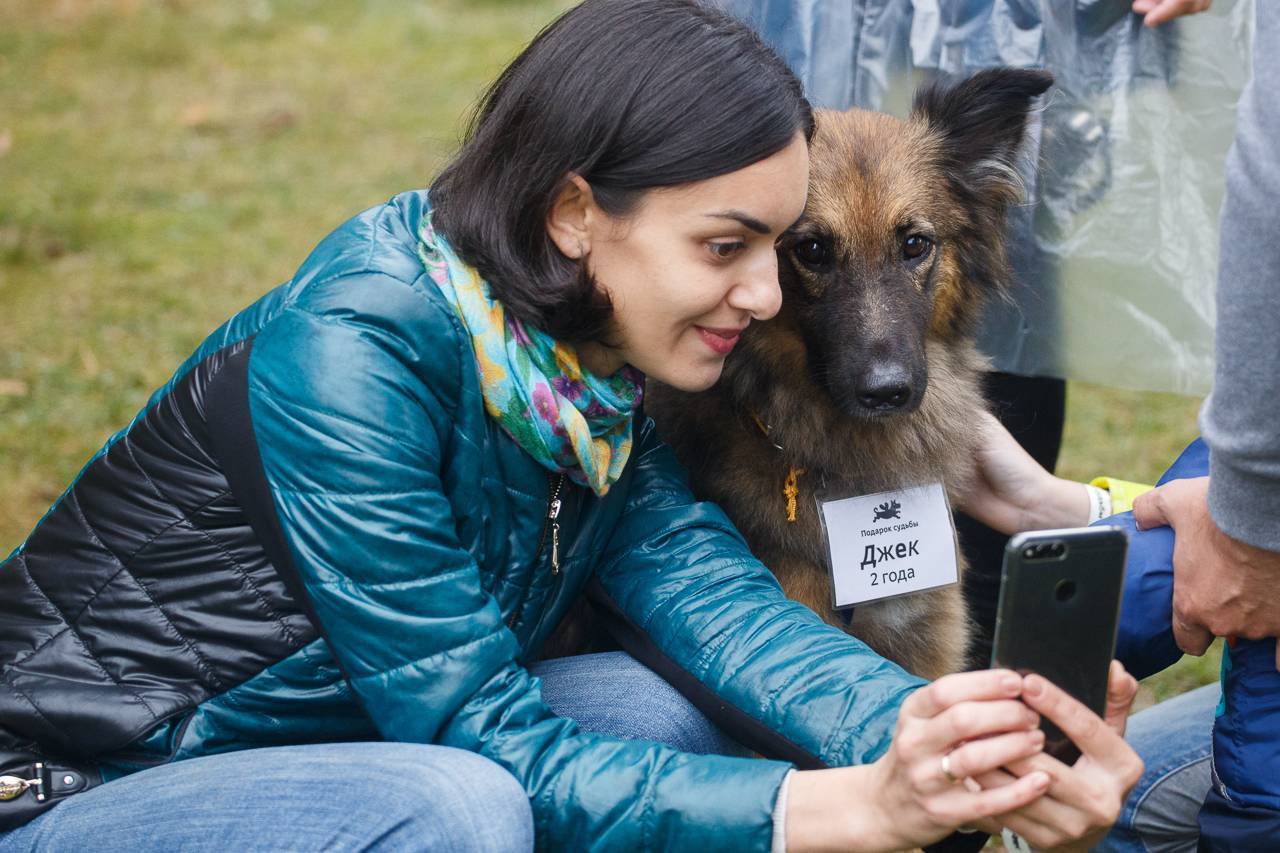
291, 604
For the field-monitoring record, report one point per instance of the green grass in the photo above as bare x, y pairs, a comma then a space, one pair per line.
164, 163
169, 161
1134, 436
1128, 434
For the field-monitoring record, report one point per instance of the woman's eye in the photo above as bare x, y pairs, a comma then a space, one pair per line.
726, 250
810, 252
916, 246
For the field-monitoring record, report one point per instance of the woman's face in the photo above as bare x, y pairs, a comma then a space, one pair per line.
691, 266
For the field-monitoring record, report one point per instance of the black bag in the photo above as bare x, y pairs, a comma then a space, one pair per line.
31, 785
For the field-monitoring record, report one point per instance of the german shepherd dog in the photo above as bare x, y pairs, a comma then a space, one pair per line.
868, 379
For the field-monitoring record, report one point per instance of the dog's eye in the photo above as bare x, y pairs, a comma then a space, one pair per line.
916, 246
810, 252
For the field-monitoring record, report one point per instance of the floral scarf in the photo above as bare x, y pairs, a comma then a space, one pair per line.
569, 420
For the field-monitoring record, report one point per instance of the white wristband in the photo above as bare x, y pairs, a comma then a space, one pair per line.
1099, 503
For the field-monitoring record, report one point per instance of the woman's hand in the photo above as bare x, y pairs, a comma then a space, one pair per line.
1012, 492
1083, 800
907, 799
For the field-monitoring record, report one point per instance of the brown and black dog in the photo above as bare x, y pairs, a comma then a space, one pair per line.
868, 378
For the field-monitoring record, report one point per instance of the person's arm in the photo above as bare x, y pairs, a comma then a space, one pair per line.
698, 607
352, 395
1241, 419
1010, 491
1227, 551
689, 599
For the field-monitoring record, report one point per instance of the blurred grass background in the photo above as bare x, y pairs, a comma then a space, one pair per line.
164, 162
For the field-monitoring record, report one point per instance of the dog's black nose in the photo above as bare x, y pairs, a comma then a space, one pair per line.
884, 387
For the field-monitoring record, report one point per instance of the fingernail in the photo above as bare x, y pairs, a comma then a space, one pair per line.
1037, 737
1041, 779
1011, 683
1033, 686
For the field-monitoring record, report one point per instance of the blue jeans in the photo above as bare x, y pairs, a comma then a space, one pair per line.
363, 796
1175, 740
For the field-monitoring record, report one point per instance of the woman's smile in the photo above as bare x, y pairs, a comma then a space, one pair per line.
721, 341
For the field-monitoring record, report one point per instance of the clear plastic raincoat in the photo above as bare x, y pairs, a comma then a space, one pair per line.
1115, 251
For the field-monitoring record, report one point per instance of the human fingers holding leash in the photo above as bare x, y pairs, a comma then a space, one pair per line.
1083, 800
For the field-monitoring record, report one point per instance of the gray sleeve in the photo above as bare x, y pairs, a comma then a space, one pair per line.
1241, 419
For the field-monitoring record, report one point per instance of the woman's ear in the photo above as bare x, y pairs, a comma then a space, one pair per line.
570, 218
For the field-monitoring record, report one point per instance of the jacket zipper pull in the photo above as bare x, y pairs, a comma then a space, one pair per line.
552, 515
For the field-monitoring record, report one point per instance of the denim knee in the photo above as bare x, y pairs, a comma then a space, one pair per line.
440, 798
676, 722
612, 693
1173, 739
388, 797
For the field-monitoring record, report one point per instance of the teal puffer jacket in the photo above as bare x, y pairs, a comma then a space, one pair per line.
396, 557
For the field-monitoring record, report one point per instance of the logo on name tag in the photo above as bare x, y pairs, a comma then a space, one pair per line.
888, 510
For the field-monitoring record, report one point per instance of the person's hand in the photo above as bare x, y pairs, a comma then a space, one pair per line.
975, 722
1156, 12
906, 799
1083, 800
1222, 587
1011, 492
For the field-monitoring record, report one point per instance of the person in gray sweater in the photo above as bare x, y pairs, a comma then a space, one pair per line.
1216, 773
1227, 581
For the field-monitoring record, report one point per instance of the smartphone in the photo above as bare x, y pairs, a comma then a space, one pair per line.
1058, 613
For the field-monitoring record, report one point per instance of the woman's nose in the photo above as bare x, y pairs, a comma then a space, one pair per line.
758, 292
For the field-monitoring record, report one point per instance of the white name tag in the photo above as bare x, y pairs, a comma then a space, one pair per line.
890, 543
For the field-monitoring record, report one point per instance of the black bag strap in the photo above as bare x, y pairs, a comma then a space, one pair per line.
31, 785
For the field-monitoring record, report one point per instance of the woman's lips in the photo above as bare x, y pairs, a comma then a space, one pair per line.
721, 341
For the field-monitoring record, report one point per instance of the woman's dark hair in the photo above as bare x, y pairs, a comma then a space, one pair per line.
629, 95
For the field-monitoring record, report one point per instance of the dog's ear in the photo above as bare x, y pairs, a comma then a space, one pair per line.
981, 121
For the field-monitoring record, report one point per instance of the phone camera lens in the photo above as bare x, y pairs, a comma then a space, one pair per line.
1029, 552
1065, 590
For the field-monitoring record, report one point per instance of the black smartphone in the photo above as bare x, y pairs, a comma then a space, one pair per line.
1058, 613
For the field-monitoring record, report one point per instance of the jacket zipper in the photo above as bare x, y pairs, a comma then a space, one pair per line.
551, 524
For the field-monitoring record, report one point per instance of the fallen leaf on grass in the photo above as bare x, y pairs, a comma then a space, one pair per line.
89, 363
277, 122
13, 388
195, 114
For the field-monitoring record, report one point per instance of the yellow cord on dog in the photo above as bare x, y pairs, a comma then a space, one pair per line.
791, 489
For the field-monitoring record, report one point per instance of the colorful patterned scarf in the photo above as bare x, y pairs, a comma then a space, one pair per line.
569, 420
